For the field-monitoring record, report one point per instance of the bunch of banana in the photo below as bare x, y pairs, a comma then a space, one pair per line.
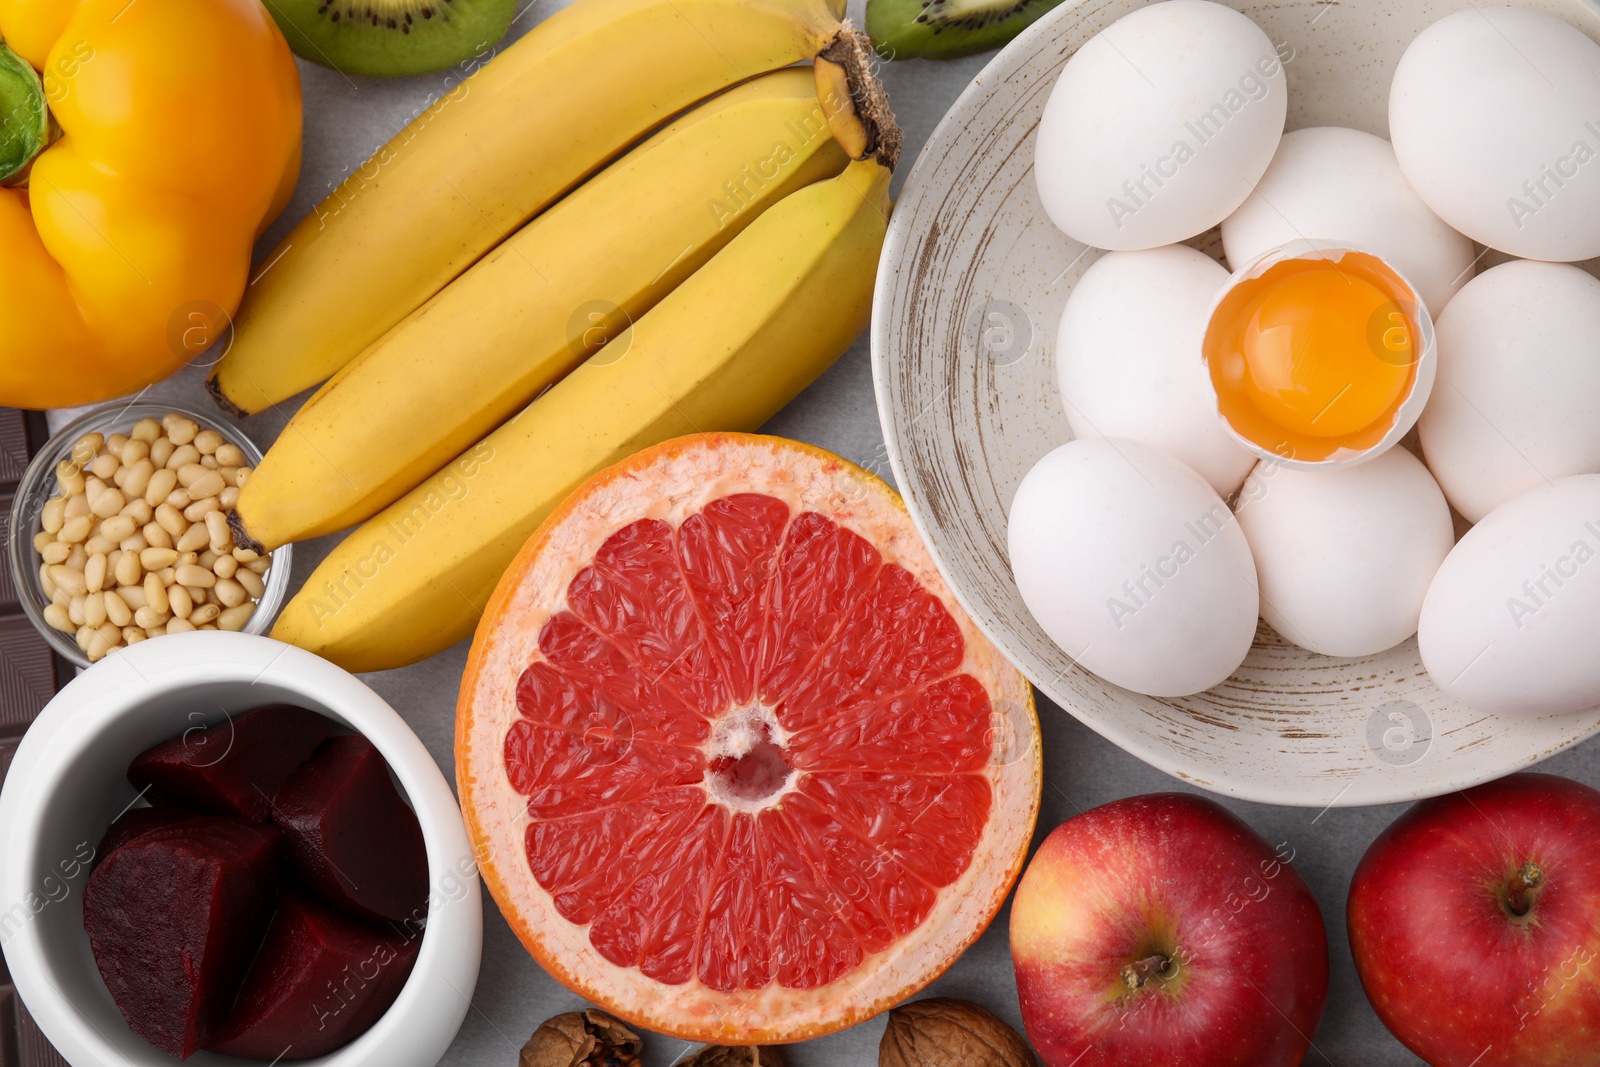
499, 147
537, 306
725, 350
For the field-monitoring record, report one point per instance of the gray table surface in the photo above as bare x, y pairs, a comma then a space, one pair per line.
346, 120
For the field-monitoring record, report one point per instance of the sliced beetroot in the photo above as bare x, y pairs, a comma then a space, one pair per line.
355, 842
235, 766
138, 821
174, 918
321, 980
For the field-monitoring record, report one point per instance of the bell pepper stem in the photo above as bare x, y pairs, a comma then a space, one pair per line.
24, 117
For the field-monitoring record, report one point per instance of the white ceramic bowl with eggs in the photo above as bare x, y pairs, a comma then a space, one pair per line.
971, 290
68, 781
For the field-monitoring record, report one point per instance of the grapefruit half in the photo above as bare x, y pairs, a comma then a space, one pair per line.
737, 766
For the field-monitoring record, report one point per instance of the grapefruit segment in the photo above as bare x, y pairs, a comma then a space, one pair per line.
726, 744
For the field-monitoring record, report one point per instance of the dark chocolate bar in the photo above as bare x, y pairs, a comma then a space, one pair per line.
30, 674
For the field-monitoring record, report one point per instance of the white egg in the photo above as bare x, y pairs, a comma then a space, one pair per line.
1130, 366
1159, 125
1134, 566
1344, 556
1495, 117
1509, 623
1516, 401
1328, 183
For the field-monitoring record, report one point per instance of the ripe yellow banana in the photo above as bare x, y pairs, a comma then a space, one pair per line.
537, 306
727, 349
483, 159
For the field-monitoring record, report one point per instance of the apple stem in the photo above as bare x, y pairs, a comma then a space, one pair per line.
1136, 974
1519, 894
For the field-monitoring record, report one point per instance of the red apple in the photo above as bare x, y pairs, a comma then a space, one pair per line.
1162, 930
1475, 924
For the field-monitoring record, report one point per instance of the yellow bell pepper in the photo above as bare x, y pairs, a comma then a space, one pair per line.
170, 137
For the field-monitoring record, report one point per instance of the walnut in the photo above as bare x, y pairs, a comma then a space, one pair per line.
724, 1056
582, 1039
950, 1033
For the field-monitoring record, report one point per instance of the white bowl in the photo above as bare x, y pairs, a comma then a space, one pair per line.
69, 780
970, 292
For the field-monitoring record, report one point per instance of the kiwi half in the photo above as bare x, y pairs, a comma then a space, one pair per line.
387, 38
944, 29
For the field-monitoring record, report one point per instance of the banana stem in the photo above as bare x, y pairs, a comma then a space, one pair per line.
854, 100
24, 117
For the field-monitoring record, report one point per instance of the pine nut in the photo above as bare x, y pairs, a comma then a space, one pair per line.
197, 511
108, 503
86, 447
132, 635
57, 617
149, 618
204, 614
66, 577
180, 600
85, 632
155, 595
55, 552
138, 479
94, 572
133, 596
181, 431
153, 559
162, 483
231, 593
53, 515
192, 574
251, 581
179, 498
230, 455
104, 466
188, 473
69, 479
225, 566
157, 536
208, 441
97, 648
194, 538
76, 531
135, 452
221, 536
137, 543
117, 609
180, 626
236, 618
94, 609
139, 510
146, 430
75, 610
130, 571
118, 528
209, 484
182, 456
171, 520
98, 543
161, 451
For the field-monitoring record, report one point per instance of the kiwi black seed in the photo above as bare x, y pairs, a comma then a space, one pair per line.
944, 29
391, 37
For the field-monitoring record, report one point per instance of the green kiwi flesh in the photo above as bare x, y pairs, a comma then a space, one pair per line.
944, 29
387, 38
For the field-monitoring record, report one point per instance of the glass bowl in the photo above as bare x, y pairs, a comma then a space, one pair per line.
38, 485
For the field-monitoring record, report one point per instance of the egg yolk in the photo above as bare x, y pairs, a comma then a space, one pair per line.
1314, 354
